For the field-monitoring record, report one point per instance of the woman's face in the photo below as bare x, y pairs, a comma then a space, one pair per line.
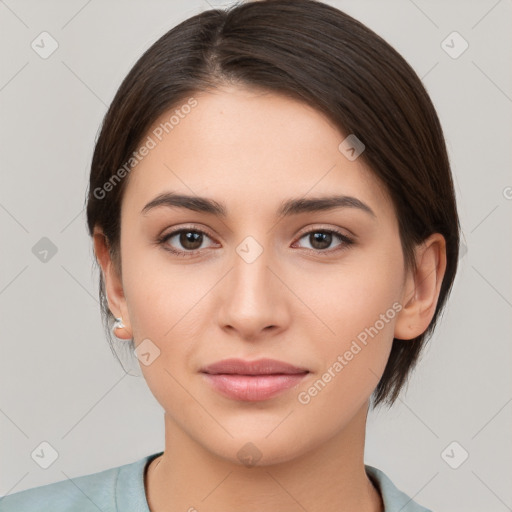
254, 284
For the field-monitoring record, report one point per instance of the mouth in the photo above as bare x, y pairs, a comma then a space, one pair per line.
253, 380
258, 367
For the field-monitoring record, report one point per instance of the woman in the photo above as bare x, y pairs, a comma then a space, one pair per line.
273, 214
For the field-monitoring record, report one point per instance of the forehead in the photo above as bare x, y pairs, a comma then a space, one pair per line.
248, 148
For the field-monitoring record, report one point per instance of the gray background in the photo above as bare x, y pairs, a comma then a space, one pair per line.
59, 380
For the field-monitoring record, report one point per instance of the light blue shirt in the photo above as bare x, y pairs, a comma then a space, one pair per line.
121, 489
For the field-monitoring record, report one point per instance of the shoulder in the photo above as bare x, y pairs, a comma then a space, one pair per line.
88, 492
394, 499
109, 490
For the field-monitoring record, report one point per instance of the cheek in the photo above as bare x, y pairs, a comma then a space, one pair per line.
355, 312
354, 357
169, 312
348, 299
167, 305
160, 294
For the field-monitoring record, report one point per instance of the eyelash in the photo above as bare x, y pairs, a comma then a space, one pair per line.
347, 242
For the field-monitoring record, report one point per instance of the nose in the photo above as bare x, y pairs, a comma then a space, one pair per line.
253, 299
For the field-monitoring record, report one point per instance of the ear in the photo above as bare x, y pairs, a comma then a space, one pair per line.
422, 287
113, 283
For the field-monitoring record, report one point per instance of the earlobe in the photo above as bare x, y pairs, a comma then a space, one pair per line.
113, 284
422, 288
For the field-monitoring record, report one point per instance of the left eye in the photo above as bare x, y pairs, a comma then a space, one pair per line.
321, 239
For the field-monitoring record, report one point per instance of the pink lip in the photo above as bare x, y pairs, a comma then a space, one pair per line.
252, 380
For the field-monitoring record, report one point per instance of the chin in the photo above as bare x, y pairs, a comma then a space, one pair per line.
259, 450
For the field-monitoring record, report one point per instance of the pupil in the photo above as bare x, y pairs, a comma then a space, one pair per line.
321, 239
189, 238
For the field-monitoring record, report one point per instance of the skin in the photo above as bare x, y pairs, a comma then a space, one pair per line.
250, 150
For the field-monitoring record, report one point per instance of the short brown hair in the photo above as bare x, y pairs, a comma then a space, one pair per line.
316, 53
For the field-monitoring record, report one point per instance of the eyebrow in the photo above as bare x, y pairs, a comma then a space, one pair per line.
287, 208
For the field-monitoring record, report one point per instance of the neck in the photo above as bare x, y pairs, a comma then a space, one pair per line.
327, 478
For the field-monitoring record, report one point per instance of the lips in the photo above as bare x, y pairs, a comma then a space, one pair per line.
252, 380
259, 367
